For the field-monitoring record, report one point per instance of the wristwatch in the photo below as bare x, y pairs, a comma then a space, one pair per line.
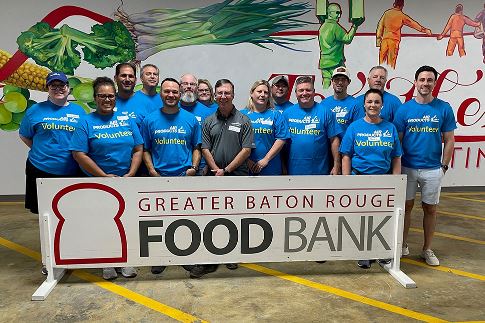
196, 168
445, 167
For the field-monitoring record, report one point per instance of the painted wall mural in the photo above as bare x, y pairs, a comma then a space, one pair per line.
245, 40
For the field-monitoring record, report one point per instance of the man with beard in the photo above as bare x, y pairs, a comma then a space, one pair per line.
172, 140
377, 80
189, 102
340, 103
279, 92
127, 103
311, 130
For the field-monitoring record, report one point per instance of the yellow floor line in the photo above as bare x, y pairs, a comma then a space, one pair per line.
444, 269
343, 293
451, 236
466, 216
464, 199
109, 286
12, 203
471, 322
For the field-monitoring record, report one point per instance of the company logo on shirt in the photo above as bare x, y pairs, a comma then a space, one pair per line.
171, 129
340, 112
425, 118
68, 118
112, 124
375, 139
263, 121
387, 133
307, 119
129, 114
73, 117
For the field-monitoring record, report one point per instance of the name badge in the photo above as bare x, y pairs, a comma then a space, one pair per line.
310, 126
235, 129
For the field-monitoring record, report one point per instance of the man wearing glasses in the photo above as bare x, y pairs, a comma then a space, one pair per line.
227, 140
188, 102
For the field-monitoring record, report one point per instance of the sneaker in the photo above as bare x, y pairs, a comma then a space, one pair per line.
188, 267
156, 270
44, 271
127, 272
232, 266
404, 250
321, 261
384, 261
109, 273
200, 270
430, 257
364, 264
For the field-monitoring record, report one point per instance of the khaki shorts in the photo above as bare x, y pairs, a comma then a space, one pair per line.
428, 179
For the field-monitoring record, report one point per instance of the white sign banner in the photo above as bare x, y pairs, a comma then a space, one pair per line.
97, 222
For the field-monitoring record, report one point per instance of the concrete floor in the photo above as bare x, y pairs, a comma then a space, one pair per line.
268, 292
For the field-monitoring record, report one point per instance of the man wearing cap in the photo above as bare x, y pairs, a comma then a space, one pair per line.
46, 129
312, 129
129, 104
340, 103
426, 129
377, 80
189, 102
279, 92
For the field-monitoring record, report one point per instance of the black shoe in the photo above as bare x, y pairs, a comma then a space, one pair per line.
44, 271
384, 261
232, 266
188, 267
156, 270
201, 270
364, 264
321, 262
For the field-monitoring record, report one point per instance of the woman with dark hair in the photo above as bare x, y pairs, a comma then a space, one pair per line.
107, 144
371, 145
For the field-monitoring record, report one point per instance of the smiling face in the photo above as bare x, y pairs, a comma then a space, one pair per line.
126, 79
260, 97
425, 83
204, 92
170, 93
305, 94
224, 96
340, 84
188, 86
373, 105
150, 77
105, 99
377, 79
58, 91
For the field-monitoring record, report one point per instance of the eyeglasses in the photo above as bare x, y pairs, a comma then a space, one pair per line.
57, 86
188, 84
106, 96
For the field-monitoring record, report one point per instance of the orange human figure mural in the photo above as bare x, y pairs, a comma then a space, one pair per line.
388, 33
455, 25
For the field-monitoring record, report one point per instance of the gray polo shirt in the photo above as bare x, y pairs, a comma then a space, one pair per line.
226, 137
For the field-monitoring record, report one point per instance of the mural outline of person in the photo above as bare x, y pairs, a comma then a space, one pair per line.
454, 26
332, 37
388, 33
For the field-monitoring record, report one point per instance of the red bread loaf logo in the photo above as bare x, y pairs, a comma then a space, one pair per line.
89, 230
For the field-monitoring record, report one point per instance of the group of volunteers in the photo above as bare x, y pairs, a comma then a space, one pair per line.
194, 129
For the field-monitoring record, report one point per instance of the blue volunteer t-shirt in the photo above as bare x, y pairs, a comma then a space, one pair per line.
212, 106
154, 101
109, 141
282, 107
171, 139
390, 105
136, 107
200, 111
371, 147
340, 109
50, 128
268, 126
310, 130
422, 126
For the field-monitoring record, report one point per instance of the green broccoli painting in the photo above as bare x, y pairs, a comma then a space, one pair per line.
108, 44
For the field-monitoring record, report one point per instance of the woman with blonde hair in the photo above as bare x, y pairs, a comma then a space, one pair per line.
270, 131
205, 94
